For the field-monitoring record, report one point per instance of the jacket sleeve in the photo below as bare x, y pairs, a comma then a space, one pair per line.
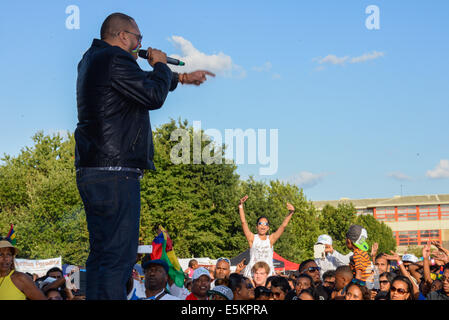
131, 81
174, 79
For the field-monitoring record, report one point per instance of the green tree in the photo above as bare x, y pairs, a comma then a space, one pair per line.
378, 232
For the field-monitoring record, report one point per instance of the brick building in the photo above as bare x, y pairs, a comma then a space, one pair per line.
413, 219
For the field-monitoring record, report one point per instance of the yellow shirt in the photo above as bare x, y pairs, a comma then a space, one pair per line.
8, 290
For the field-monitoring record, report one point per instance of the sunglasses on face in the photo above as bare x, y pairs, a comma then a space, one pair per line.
263, 224
276, 294
313, 269
398, 290
384, 281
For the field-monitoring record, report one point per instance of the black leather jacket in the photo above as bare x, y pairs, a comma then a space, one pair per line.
114, 96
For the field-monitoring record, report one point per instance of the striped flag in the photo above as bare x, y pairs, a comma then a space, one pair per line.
163, 249
11, 236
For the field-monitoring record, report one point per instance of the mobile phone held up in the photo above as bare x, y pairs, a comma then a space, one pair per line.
318, 251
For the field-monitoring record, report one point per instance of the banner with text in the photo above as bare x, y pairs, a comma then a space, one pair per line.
39, 267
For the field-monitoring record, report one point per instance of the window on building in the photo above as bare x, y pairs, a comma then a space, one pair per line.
407, 238
444, 211
428, 212
385, 214
407, 213
426, 235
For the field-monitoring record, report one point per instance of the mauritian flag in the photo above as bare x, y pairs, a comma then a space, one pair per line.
163, 249
11, 237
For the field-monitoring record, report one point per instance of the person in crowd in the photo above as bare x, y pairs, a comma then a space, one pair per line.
385, 280
355, 291
193, 265
262, 293
201, 280
279, 287
401, 289
443, 293
310, 268
329, 281
415, 292
15, 285
437, 284
332, 258
250, 286
62, 284
53, 294
222, 270
268, 281
343, 277
261, 244
220, 292
240, 288
306, 294
259, 273
156, 280
356, 242
303, 281
382, 295
382, 263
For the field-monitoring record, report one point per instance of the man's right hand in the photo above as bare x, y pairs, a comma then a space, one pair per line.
155, 56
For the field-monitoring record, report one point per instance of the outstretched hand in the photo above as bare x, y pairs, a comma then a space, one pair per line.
290, 207
242, 201
196, 77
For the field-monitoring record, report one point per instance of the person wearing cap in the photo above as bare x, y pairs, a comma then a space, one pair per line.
156, 279
201, 280
332, 258
356, 241
220, 293
15, 285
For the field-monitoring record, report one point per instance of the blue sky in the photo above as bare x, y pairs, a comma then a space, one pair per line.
359, 112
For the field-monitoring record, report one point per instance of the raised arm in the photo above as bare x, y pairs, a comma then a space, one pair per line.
275, 236
404, 271
248, 234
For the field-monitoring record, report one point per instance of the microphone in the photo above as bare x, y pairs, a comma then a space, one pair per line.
144, 54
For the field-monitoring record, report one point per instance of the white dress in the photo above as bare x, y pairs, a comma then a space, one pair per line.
261, 250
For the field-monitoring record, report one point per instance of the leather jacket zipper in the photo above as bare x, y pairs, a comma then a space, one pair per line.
135, 140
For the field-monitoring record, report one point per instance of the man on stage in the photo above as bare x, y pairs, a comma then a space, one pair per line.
114, 144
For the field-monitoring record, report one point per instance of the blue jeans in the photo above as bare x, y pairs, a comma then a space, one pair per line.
112, 204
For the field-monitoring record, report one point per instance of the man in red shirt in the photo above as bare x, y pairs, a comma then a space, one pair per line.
200, 284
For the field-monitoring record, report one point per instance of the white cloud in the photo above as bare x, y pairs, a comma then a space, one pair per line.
399, 176
220, 64
333, 59
367, 57
276, 76
306, 179
265, 67
441, 171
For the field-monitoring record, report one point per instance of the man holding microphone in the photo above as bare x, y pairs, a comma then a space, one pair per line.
114, 144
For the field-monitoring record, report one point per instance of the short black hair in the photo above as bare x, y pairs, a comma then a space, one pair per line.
235, 281
329, 274
281, 282
305, 275
113, 24
54, 269
304, 263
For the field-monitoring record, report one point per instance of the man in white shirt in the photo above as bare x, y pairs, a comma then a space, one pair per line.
156, 279
332, 258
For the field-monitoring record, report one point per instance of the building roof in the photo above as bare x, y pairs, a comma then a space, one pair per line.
387, 202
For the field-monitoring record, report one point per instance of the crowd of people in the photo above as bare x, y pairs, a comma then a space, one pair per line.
360, 275
357, 276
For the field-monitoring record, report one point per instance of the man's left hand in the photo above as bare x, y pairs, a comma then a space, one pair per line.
196, 77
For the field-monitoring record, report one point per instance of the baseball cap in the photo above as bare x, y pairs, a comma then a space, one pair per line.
324, 239
223, 291
159, 262
358, 235
409, 258
201, 271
